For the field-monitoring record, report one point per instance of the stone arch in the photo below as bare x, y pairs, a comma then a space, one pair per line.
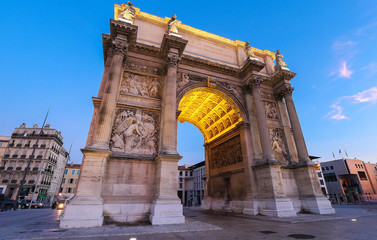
211, 110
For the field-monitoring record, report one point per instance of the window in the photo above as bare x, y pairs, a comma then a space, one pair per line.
186, 173
331, 167
356, 165
180, 185
191, 174
78, 172
66, 171
69, 190
330, 177
71, 180
73, 172
63, 180
180, 173
76, 181
321, 181
323, 169
319, 174
362, 175
327, 168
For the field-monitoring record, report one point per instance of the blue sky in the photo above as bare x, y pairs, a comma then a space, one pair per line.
51, 57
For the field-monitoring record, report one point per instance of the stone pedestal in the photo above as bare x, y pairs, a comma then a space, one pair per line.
86, 208
166, 207
312, 199
271, 192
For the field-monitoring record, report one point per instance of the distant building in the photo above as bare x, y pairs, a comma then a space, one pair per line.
4, 141
185, 185
70, 180
199, 172
321, 179
350, 180
42, 173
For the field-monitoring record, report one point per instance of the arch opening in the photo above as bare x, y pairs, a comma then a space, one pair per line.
210, 110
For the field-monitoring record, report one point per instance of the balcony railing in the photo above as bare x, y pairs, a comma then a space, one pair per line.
4, 181
18, 168
10, 168
6, 156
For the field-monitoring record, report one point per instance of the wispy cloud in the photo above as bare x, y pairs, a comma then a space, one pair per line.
366, 96
344, 71
371, 67
369, 95
340, 45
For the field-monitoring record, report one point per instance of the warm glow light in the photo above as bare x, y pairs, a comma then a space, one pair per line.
353, 220
210, 110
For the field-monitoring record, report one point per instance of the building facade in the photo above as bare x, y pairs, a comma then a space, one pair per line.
350, 180
33, 155
4, 141
185, 185
70, 180
199, 173
159, 71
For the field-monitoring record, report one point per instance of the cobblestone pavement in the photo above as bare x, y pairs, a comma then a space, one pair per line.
350, 222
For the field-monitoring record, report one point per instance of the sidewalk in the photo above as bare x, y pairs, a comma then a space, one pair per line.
44, 224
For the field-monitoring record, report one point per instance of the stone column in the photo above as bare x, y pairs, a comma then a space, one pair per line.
86, 208
169, 115
302, 151
102, 132
264, 133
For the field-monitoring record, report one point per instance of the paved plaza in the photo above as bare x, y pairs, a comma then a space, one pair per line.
350, 222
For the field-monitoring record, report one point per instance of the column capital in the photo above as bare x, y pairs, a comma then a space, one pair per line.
119, 46
254, 82
283, 91
173, 59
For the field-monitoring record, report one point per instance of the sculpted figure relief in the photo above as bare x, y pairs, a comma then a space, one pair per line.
134, 132
271, 111
128, 14
278, 146
280, 64
249, 51
226, 153
140, 85
184, 80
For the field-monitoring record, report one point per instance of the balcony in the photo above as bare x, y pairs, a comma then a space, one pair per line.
10, 168
14, 155
18, 168
39, 157
23, 156
43, 145
27, 145
31, 181
11, 145
35, 169
27, 168
4, 181
13, 181
19, 145
35, 145
6, 156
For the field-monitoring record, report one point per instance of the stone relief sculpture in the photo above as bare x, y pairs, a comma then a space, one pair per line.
280, 64
226, 153
271, 110
135, 132
128, 14
278, 146
145, 86
185, 79
173, 26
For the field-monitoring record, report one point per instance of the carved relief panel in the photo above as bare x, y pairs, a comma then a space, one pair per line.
139, 85
279, 145
135, 131
227, 153
271, 110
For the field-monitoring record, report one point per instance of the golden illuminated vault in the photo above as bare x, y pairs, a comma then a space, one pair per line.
210, 110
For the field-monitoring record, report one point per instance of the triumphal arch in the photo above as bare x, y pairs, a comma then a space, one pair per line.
159, 71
